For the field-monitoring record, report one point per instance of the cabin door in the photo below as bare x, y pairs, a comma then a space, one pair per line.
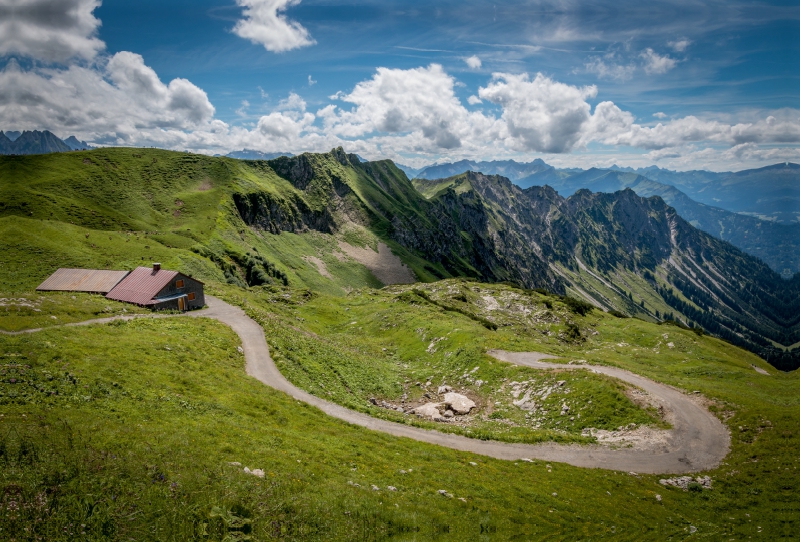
181, 303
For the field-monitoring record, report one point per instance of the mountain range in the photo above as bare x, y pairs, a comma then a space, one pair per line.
38, 142
246, 221
776, 240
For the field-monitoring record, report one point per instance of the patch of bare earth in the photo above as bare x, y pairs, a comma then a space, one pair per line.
205, 185
320, 265
386, 266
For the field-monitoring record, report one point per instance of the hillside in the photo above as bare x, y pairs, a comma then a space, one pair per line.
323, 220
141, 429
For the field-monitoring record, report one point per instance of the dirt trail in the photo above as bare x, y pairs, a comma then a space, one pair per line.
697, 442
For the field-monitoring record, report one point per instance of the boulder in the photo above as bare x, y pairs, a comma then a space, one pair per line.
458, 403
444, 389
429, 410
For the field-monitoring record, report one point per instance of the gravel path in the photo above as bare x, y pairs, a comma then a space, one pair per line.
698, 440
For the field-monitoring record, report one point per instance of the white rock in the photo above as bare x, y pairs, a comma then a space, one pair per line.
257, 472
443, 389
460, 404
375, 488
658, 498
391, 488
429, 410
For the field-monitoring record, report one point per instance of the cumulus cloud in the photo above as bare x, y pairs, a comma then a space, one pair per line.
49, 30
660, 115
474, 100
401, 101
473, 62
265, 24
655, 63
541, 114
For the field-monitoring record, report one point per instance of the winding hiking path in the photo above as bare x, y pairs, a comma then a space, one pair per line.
698, 440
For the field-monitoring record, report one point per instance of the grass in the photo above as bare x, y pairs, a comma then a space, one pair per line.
56, 308
125, 429
376, 345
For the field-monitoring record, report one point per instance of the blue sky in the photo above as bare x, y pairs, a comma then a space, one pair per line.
575, 83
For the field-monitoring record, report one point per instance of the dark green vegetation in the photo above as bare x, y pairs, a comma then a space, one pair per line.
127, 430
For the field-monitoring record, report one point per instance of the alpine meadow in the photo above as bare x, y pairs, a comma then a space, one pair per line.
325, 270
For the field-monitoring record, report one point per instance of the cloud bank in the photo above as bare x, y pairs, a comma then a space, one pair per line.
411, 115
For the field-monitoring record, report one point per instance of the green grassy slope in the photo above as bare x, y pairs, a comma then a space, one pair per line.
127, 431
126, 207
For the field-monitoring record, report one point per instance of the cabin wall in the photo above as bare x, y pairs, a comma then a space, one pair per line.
190, 286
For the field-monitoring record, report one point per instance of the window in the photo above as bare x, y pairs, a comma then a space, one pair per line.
190, 297
179, 284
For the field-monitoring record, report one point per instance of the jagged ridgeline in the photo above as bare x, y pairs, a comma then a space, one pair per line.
303, 221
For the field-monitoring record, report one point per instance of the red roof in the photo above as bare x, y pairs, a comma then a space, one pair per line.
141, 285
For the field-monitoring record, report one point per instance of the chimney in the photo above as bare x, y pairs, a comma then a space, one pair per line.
156, 266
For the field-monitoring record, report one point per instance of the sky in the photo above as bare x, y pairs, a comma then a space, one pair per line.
683, 84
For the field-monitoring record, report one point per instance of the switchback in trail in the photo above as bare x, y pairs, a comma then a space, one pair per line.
697, 441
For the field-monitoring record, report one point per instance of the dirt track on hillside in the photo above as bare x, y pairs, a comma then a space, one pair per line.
698, 440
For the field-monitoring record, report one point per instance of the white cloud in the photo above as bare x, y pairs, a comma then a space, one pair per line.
680, 45
311, 82
473, 62
609, 67
655, 63
265, 24
660, 115
121, 102
49, 30
474, 100
402, 101
541, 115
242, 111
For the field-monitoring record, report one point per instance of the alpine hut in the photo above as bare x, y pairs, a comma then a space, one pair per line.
159, 289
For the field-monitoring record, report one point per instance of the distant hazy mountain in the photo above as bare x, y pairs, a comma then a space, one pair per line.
507, 168
73, 143
410, 172
249, 154
771, 193
13, 134
31, 142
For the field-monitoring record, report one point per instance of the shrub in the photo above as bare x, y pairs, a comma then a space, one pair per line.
577, 306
